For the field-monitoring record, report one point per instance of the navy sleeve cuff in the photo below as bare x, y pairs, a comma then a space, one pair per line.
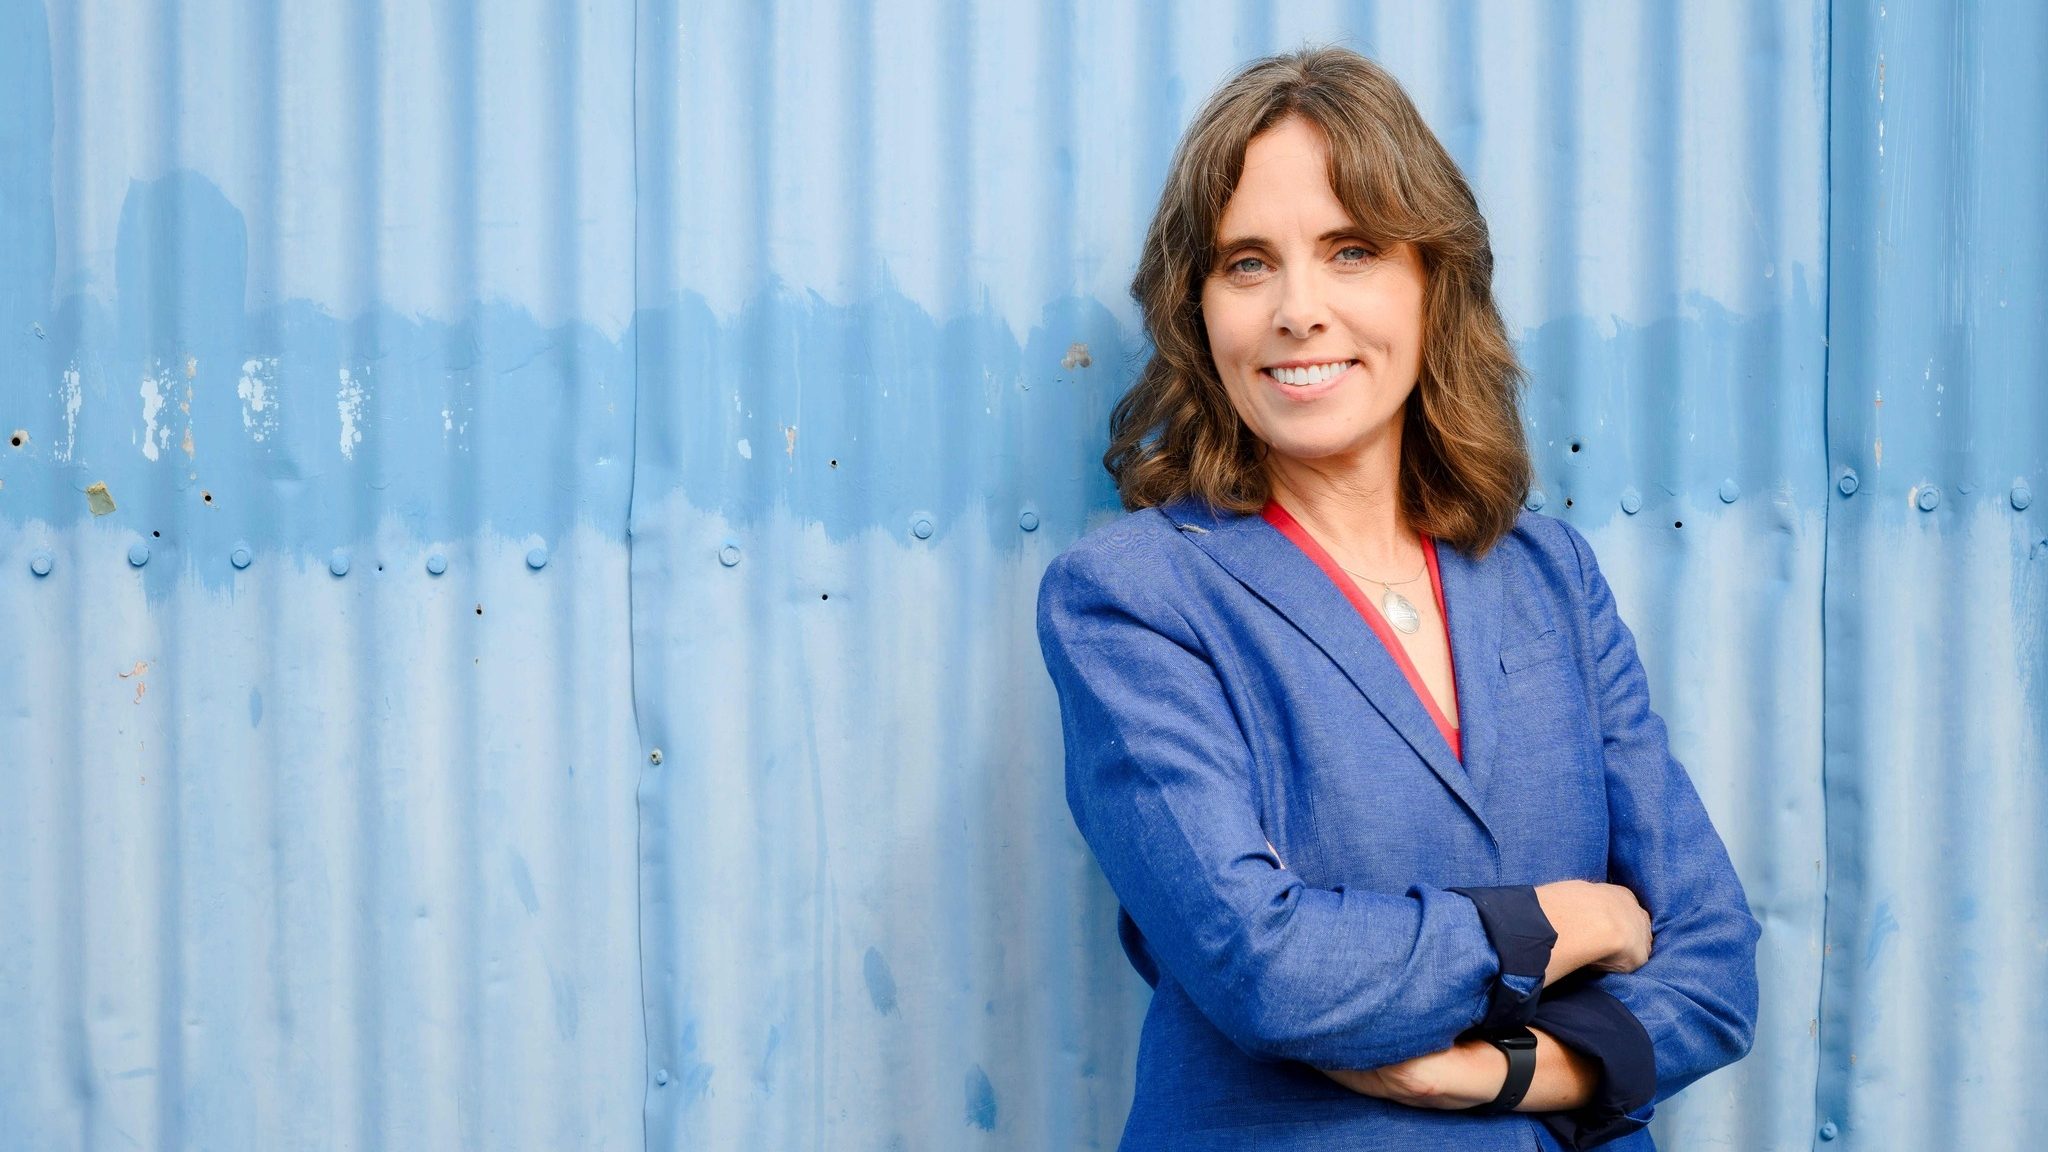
1591, 1022
1522, 937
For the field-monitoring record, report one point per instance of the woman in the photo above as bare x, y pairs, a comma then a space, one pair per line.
1363, 748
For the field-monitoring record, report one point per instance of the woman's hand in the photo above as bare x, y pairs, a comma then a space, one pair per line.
1601, 926
1465, 1075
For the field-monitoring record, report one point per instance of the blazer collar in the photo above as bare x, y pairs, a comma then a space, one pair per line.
1276, 571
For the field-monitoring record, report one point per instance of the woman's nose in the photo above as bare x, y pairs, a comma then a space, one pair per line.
1303, 309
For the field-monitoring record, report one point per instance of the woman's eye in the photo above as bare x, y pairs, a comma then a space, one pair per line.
1249, 266
1354, 254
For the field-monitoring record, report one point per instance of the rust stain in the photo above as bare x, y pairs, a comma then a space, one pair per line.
1076, 357
789, 438
187, 443
135, 673
191, 369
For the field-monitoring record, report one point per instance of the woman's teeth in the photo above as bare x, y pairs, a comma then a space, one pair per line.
1313, 374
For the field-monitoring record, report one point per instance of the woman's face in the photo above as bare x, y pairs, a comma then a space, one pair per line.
1316, 333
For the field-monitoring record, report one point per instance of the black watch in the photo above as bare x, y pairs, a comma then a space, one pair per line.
1518, 1044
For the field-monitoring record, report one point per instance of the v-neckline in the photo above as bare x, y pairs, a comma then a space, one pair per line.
1282, 520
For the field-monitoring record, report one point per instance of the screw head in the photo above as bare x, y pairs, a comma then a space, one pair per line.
2021, 496
241, 557
1929, 499
1534, 501
536, 558
661, 1076
1631, 501
654, 757
40, 563
729, 555
1848, 484
922, 529
436, 564
337, 562
138, 554
1828, 1131
1730, 491
1028, 521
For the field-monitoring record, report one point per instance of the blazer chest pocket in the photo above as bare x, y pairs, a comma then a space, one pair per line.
1529, 653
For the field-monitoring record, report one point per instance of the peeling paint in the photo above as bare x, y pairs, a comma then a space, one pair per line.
349, 403
72, 393
155, 391
258, 390
99, 499
136, 674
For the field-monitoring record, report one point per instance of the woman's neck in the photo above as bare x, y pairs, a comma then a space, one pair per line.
1353, 509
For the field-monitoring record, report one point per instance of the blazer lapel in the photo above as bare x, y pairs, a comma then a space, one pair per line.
1276, 571
1472, 601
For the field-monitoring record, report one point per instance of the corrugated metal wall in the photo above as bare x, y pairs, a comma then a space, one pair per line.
1937, 588
559, 671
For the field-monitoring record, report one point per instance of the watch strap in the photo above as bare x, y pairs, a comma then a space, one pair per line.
1519, 1046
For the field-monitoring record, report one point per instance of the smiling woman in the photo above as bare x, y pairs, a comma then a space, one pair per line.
1364, 749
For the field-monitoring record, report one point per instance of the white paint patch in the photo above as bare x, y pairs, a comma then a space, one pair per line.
258, 390
74, 397
155, 391
746, 450
447, 420
349, 403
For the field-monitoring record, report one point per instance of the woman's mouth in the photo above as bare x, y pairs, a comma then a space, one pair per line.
1302, 380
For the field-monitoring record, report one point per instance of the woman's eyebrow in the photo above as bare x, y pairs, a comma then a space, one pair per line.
1236, 242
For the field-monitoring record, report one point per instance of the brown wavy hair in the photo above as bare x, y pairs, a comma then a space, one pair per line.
1464, 460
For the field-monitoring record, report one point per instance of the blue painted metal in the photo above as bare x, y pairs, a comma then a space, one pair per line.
589, 474
1937, 602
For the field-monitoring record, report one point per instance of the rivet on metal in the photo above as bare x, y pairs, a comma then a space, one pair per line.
241, 557
661, 1076
1631, 501
2021, 496
536, 558
654, 757
1028, 521
922, 529
1534, 501
1848, 484
1828, 1131
337, 562
436, 564
1929, 499
40, 563
729, 555
1730, 491
138, 554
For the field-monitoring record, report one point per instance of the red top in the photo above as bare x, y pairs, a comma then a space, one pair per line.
1291, 528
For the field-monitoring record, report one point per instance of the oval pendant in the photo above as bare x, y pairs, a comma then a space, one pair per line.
1400, 613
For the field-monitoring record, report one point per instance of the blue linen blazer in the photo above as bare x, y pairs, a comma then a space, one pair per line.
1281, 822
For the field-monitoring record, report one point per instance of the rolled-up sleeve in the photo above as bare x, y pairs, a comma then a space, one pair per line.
1587, 1020
1159, 779
1522, 938
1696, 998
